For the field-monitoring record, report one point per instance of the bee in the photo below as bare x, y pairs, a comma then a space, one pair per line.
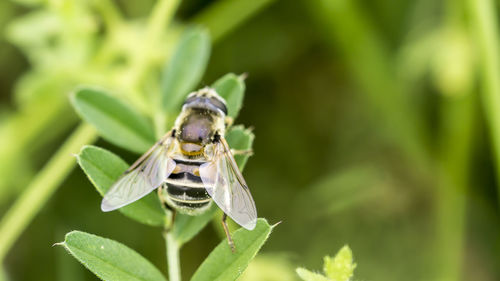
192, 166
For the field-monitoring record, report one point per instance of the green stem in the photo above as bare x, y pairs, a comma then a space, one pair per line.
16, 145
484, 25
173, 247
161, 16
456, 139
222, 17
457, 123
110, 13
41, 188
347, 28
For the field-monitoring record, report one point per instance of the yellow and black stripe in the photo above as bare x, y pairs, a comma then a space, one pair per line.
185, 190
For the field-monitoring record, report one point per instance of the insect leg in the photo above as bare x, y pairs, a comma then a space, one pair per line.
228, 235
172, 219
160, 196
166, 206
228, 121
246, 152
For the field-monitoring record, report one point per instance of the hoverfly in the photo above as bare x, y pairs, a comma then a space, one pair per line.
191, 165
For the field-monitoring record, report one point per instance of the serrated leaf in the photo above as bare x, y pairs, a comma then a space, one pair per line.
240, 138
186, 227
185, 68
222, 264
103, 168
307, 275
115, 121
341, 267
232, 89
108, 259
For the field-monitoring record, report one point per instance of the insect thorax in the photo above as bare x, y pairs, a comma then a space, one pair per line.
197, 127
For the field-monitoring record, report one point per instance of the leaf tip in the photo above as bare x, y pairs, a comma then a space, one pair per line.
242, 77
77, 91
276, 224
59, 244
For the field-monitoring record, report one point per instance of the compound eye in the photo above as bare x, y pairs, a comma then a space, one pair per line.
220, 105
190, 99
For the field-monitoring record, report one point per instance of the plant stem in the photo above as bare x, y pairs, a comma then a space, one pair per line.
41, 188
457, 131
484, 25
16, 144
159, 20
110, 13
174, 265
350, 31
222, 17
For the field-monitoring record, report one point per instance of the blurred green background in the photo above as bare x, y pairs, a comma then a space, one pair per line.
377, 125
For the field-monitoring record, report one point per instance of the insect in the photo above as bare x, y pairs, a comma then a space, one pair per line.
192, 166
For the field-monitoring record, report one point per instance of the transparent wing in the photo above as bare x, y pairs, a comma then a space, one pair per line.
149, 174
225, 184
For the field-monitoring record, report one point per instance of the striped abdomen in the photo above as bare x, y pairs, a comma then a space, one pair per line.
184, 189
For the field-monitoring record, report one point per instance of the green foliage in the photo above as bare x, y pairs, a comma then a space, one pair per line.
113, 119
240, 138
185, 68
232, 89
270, 267
307, 275
222, 264
103, 168
123, 126
109, 260
339, 268
394, 86
72, 43
186, 227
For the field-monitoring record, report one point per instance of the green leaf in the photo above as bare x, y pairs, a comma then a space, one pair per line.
232, 89
307, 275
103, 168
108, 259
240, 138
185, 68
114, 120
222, 264
341, 267
186, 227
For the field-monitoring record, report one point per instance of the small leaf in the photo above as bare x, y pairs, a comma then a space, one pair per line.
240, 138
232, 89
185, 68
103, 168
341, 267
307, 275
186, 227
108, 259
222, 264
114, 120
